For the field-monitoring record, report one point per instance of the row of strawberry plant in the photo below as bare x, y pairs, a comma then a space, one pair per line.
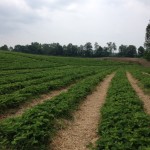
46, 77
29, 70
15, 99
36, 126
142, 77
26, 65
43, 78
26, 71
70, 60
54, 61
13, 72
22, 62
36, 74
124, 125
147, 70
6, 79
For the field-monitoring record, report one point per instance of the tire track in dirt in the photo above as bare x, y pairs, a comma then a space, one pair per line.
29, 104
82, 131
145, 98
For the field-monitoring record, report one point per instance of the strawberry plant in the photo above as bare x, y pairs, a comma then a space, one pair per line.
124, 125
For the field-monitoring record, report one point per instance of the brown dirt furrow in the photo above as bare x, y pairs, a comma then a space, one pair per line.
82, 131
29, 104
145, 98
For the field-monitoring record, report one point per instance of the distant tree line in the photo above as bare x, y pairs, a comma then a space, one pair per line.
131, 51
86, 50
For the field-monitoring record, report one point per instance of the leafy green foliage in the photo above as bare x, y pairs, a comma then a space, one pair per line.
147, 54
141, 51
26, 90
143, 76
36, 126
24, 76
147, 37
124, 125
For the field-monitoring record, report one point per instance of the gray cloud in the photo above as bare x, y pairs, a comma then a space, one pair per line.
147, 2
14, 15
76, 21
122, 2
51, 5
17, 13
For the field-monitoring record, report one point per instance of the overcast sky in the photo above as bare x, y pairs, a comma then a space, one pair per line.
73, 21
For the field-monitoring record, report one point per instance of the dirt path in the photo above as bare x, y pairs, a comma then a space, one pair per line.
145, 98
32, 103
83, 130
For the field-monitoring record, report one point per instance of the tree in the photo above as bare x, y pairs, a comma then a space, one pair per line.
18, 48
141, 51
111, 47
88, 49
122, 50
22, 48
96, 46
72, 50
35, 48
147, 42
106, 52
99, 52
147, 55
4, 47
81, 50
131, 51
75, 50
46, 49
147, 38
55, 49
58, 49
11, 48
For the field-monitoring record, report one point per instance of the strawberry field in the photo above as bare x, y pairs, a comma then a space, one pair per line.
124, 125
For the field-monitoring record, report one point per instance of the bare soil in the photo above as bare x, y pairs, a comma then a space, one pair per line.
29, 104
82, 131
145, 98
139, 61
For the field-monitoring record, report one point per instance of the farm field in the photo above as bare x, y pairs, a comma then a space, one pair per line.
49, 102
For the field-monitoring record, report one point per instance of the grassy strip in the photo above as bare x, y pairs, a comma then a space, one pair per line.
36, 126
124, 126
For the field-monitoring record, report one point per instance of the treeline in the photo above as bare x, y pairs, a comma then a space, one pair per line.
86, 50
